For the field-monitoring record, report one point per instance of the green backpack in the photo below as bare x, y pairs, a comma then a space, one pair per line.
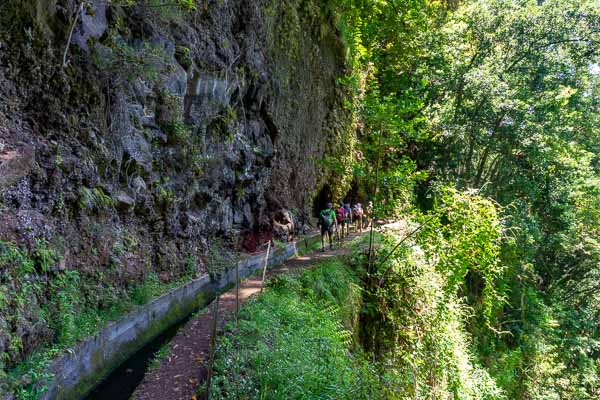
326, 218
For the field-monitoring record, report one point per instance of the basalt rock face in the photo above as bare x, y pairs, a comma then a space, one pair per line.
167, 130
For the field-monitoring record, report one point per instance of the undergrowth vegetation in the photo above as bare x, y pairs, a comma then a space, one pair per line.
423, 318
296, 341
395, 330
60, 303
415, 324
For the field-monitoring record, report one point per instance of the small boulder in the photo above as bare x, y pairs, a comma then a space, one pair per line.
15, 164
124, 201
138, 184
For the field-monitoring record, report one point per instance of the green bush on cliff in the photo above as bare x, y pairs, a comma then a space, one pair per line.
94, 199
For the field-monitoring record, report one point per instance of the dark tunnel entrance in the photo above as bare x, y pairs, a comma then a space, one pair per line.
352, 196
321, 200
356, 194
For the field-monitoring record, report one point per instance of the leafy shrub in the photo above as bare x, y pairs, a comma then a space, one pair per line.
151, 287
125, 63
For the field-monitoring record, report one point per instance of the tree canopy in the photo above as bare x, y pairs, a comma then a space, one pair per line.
497, 98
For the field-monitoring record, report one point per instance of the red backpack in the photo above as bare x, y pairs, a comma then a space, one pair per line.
340, 214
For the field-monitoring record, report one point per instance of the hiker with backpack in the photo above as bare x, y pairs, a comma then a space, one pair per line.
348, 217
327, 223
357, 214
369, 214
343, 220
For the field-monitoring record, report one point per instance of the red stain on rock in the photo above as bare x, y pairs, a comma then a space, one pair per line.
252, 240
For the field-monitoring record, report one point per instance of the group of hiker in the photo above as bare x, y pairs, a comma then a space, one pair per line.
337, 222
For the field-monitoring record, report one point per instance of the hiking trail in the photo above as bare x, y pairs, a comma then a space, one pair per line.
181, 373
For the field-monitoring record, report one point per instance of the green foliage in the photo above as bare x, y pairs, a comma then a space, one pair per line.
387, 92
164, 351
36, 371
308, 246
166, 196
58, 160
292, 344
466, 244
94, 199
498, 96
170, 118
185, 4
170, 10
125, 63
333, 283
190, 265
177, 131
71, 305
164, 193
65, 307
420, 303
195, 159
150, 288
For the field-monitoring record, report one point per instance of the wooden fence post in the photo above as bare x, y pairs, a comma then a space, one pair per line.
264, 274
237, 294
213, 342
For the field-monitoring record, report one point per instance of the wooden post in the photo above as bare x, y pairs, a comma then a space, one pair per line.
237, 324
264, 274
237, 295
370, 265
213, 342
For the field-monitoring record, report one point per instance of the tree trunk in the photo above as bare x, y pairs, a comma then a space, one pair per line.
486, 152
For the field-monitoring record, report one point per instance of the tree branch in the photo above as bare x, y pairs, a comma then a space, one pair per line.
79, 11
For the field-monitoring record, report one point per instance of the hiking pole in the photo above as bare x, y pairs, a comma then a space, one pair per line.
213, 342
264, 274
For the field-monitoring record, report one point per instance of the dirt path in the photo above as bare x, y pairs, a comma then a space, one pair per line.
181, 373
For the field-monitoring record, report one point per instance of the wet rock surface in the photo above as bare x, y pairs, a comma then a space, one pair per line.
168, 131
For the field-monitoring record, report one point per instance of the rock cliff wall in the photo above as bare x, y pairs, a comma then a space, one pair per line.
167, 132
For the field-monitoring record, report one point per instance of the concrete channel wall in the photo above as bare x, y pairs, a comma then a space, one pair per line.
79, 370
